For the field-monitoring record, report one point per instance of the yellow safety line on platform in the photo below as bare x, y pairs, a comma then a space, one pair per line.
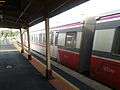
58, 82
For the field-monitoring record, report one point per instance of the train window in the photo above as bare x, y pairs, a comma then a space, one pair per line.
103, 40
116, 41
51, 38
40, 38
71, 40
78, 38
36, 38
44, 38
107, 43
32, 38
56, 38
61, 39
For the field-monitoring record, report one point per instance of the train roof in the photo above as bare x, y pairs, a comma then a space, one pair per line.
107, 17
112, 19
68, 26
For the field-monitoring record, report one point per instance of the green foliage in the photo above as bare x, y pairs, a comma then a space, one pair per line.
6, 34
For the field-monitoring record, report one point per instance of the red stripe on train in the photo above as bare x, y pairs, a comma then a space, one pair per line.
106, 71
69, 59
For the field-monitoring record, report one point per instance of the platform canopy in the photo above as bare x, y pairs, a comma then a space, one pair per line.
31, 12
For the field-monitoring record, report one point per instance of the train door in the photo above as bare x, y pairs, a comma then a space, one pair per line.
68, 48
54, 46
59, 42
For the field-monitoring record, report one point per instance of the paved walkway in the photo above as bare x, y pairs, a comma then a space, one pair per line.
17, 74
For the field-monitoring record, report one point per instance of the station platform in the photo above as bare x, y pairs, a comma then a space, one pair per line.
16, 73
19, 73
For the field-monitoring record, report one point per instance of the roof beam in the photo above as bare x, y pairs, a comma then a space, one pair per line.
26, 8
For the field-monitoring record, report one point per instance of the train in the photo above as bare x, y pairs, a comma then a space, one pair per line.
65, 44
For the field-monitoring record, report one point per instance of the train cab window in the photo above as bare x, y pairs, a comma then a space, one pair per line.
61, 39
70, 40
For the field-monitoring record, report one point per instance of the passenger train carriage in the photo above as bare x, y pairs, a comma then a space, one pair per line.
65, 47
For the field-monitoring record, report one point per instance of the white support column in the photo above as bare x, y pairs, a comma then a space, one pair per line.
21, 37
48, 61
28, 39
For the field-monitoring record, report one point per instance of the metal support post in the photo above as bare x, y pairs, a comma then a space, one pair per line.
48, 61
21, 37
86, 44
28, 38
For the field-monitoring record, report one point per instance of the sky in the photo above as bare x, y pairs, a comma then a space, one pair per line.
80, 12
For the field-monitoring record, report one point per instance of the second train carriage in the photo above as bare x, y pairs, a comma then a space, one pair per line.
105, 59
65, 47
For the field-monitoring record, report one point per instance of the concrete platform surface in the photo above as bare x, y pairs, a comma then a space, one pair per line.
16, 73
